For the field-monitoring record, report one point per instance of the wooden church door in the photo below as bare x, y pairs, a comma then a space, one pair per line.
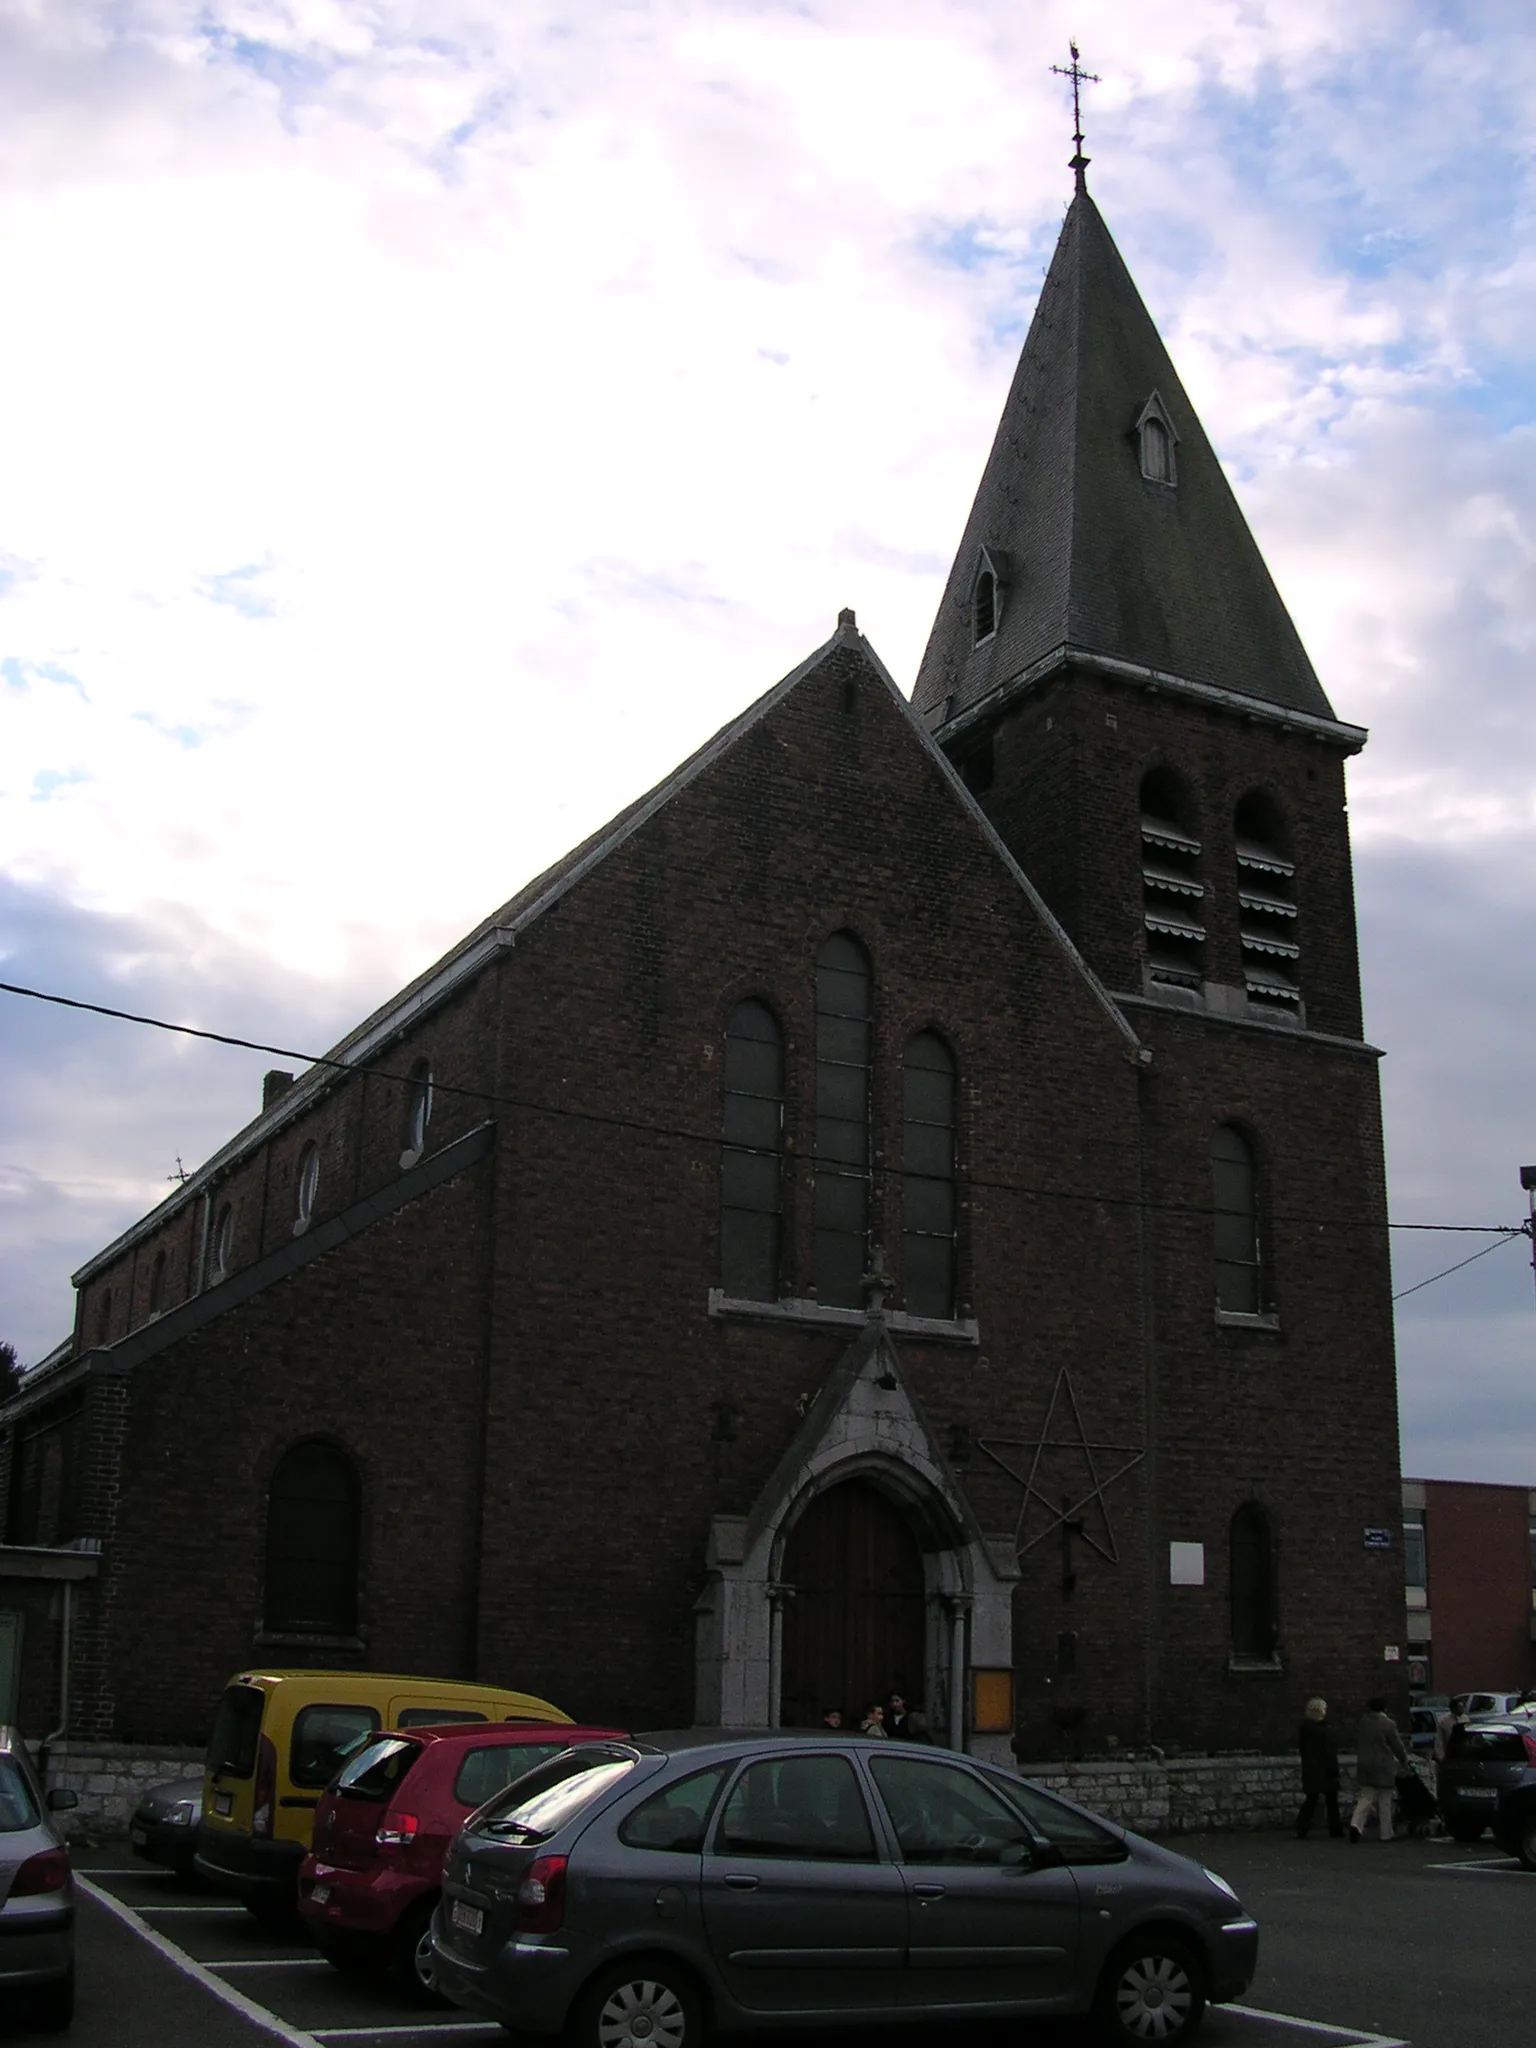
854, 1628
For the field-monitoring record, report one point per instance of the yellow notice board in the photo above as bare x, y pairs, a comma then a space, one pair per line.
991, 1701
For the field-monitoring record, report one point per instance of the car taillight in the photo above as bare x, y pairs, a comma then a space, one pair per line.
266, 1788
48, 1871
1530, 1744
398, 1832
541, 1896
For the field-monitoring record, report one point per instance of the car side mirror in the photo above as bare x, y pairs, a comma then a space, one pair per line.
61, 1799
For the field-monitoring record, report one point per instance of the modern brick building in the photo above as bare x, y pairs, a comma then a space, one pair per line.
902, 1206
1469, 1555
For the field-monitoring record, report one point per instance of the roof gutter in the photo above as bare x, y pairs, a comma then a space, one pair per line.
1351, 738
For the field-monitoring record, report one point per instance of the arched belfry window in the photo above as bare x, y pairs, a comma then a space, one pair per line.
844, 1008
1172, 892
1252, 1582
751, 1162
1156, 441
1235, 1200
1266, 899
312, 1543
928, 1206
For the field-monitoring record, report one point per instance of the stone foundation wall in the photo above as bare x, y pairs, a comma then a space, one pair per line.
1188, 1795
111, 1778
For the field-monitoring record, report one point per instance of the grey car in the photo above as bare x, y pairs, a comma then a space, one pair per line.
163, 1826
640, 1894
37, 1894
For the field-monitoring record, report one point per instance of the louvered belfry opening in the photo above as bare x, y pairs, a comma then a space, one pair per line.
1266, 898
751, 1163
844, 997
1172, 893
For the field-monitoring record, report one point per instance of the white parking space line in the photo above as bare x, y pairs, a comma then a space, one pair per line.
413, 2027
271, 1963
1354, 2037
1485, 1866
130, 1870
239, 1911
226, 1994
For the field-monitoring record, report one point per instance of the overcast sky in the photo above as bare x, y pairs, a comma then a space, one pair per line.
421, 424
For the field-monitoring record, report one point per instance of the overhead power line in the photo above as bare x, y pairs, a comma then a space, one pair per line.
1509, 1238
713, 1139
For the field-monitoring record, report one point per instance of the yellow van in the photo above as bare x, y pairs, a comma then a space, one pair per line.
278, 1740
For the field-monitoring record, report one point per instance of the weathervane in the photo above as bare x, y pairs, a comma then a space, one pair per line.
1079, 77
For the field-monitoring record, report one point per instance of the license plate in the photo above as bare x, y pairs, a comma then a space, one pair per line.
1479, 1792
320, 1894
468, 1918
224, 1802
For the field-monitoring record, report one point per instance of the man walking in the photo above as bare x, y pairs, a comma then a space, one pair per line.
1379, 1756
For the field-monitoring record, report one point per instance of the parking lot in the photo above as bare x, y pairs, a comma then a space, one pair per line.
1411, 1945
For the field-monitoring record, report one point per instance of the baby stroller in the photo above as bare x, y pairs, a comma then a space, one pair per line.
1416, 1811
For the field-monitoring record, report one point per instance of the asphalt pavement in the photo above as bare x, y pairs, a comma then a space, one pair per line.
1402, 1945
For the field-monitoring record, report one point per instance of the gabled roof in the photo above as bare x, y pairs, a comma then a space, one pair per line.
1101, 559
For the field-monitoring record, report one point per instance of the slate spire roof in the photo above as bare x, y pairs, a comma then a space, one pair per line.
1089, 553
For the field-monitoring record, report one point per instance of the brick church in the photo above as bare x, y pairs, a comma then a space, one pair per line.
901, 1207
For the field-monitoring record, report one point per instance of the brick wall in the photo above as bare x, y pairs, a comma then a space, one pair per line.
1478, 1544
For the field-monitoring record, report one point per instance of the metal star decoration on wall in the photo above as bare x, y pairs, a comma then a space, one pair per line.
1068, 1516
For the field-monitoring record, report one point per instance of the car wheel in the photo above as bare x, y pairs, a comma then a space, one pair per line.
53, 2007
644, 2004
1153, 1989
353, 1954
412, 1965
1465, 1830
1525, 1847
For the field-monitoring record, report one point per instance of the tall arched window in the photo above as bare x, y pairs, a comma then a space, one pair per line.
1235, 1199
984, 608
312, 1530
157, 1284
751, 1167
418, 1106
1266, 900
1172, 893
308, 1184
843, 1018
928, 1214
223, 1242
1252, 1580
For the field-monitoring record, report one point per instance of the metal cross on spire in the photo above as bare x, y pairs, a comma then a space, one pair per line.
1079, 78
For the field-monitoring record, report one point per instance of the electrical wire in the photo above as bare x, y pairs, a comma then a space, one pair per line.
1487, 1248
712, 1140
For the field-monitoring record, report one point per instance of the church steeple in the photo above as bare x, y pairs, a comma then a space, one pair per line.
1104, 518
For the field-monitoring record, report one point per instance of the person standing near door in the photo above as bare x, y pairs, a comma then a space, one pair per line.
1319, 1769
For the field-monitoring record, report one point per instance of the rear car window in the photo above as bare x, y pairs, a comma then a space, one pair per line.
236, 1725
1487, 1746
1079, 1839
438, 1717
485, 1772
675, 1817
807, 1807
540, 1804
322, 1735
18, 1809
376, 1770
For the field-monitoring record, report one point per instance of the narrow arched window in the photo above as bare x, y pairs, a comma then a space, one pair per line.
1172, 892
1266, 901
312, 1543
751, 1165
1252, 1580
157, 1284
984, 607
308, 1183
1235, 1193
223, 1242
844, 1003
928, 1208
418, 1106
104, 1318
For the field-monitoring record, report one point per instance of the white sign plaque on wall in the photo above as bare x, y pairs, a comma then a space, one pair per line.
1186, 1564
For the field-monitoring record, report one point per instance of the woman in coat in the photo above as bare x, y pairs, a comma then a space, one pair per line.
1379, 1756
1319, 1769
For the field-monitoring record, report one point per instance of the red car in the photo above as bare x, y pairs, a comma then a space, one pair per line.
368, 1887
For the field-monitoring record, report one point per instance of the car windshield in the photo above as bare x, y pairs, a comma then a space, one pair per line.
18, 1809
375, 1771
540, 1804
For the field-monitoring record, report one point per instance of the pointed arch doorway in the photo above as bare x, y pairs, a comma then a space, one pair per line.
856, 1623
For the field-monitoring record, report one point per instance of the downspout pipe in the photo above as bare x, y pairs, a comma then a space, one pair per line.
66, 1645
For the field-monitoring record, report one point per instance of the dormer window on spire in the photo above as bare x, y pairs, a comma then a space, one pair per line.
1156, 441
984, 601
